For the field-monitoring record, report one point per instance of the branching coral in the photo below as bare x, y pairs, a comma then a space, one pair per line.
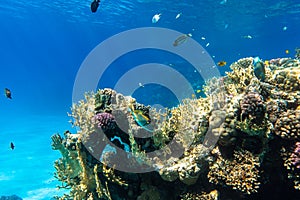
213, 195
241, 173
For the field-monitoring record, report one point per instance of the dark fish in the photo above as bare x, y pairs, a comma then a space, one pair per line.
222, 63
95, 5
12, 146
7, 93
259, 69
181, 39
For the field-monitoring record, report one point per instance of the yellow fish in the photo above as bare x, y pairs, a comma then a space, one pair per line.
141, 118
267, 63
287, 51
198, 91
181, 39
221, 63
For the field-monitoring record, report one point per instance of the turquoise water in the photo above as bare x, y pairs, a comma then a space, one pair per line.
43, 44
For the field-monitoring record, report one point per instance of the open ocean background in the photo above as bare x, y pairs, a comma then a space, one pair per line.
44, 42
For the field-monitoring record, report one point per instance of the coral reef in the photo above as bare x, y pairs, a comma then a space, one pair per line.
213, 195
225, 145
241, 173
287, 125
292, 163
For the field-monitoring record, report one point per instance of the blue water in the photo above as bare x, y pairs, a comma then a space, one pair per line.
44, 42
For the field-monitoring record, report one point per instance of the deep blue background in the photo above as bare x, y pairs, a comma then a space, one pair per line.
43, 44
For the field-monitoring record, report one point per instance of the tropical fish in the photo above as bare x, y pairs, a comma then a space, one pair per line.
247, 37
259, 69
155, 18
181, 39
95, 5
198, 91
267, 63
221, 63
287, 51
141, 85
7, 93
12, 146
140, 118
178, 15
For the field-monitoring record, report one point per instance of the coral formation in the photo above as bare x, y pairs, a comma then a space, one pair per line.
241, 173
213, 195
287, 125
292, 163
225, 140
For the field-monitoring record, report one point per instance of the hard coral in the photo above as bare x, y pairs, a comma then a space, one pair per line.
241, 173
292, 163
239, 115
105, 121
213, 195
252, 107
295, 156
287, 125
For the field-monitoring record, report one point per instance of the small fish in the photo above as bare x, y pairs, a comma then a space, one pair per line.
155, 18
178, 15
247, 37
141, 85
223, 2
141, 118
193, 96
221, 63
12, 146
284, 28
95, 5
202, 38
207, 44
7, 93
287, 51
181, 39
267, 63
198, 91
259, 69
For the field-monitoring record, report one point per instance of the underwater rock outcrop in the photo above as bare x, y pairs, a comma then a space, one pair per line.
225, 145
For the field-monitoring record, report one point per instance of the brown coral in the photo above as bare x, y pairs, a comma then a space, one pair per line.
287, 125
252, 107
241, 173
213, 195
292, 163
286, 75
